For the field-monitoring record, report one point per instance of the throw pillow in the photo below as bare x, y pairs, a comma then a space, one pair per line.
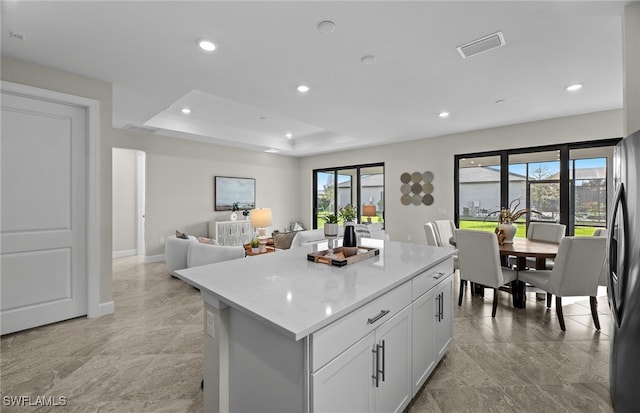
181, 235
209, 241
283, 240
362, 230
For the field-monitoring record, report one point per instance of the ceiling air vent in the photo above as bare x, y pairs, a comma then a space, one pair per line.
139, 129
481, 45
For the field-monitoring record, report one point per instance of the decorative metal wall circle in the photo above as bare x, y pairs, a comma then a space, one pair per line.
416, 188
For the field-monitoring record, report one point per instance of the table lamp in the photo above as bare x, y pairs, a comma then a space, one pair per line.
261, 218
369, 211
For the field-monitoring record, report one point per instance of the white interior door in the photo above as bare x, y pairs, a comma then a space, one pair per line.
44, 212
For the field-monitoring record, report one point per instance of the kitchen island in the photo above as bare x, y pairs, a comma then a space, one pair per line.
284, 334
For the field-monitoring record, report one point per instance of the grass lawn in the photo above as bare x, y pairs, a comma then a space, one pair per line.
521, 231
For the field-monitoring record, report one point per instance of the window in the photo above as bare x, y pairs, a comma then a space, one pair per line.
565, 183
359, 185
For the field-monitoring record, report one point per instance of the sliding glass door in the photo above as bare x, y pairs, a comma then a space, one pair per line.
564, 183
361, 186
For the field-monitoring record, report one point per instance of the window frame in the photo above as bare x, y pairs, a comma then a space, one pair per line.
565, 184
357, 181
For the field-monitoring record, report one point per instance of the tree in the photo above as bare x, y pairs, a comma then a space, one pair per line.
545, 197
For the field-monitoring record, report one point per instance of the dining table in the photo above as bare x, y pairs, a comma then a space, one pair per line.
521, 248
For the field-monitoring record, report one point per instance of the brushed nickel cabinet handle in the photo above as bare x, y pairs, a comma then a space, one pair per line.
440, 275
376, 376
378, 317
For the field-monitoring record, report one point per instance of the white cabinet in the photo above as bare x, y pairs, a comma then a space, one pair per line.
432, 328
373, 375
392, 364
423, 344
343, 385
443, 320
231, 232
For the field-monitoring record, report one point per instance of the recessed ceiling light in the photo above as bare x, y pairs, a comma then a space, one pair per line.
303, 88
289, 135
206, 45
272, 150
368, 59
186, 111
326, 27
443, 114
574, 87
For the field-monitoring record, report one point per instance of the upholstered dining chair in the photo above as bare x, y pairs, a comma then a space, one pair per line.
430, 233
444, 230
479, 261
434, 240
547, 232
602, 232
576, 273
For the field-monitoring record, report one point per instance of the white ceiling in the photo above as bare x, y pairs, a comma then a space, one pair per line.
244, 93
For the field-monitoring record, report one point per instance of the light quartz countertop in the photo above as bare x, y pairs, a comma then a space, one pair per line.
298, 297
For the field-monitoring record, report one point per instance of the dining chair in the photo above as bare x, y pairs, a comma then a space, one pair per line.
444, 229
576, 272
430, 232
602, 232
546, 232
479, 261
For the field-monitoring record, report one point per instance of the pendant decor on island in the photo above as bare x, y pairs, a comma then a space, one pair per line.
416, 188
349, 241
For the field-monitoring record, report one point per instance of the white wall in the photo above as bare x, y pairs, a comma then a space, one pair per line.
124, 190
631, 67
405, 223
180, 177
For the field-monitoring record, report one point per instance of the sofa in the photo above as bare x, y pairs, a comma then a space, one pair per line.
183, 253
314, 236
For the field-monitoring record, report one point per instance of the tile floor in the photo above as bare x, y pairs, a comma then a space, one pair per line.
147, 356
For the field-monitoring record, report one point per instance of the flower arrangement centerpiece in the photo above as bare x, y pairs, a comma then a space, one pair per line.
348, 213
507, 216
349, 241
511, 214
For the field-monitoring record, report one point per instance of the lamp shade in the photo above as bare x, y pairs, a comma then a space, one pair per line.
369, 210
261, 217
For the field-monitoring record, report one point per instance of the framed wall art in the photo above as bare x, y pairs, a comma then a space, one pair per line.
228, 190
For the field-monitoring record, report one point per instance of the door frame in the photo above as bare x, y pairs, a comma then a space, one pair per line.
94, 244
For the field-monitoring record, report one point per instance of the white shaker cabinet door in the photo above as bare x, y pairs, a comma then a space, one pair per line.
424, 312
443, 328
393, 340
345, 383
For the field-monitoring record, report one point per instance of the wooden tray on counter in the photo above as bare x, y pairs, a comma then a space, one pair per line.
338, 259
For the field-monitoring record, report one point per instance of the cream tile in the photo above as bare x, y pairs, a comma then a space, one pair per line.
147, 356
174, 376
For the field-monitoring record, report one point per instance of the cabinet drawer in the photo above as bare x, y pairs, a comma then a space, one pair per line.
428, 279
330, 341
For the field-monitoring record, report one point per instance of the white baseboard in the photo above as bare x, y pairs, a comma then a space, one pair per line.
104, 308
153, 258
124, 253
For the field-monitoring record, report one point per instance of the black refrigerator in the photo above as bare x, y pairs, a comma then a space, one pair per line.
624, 277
